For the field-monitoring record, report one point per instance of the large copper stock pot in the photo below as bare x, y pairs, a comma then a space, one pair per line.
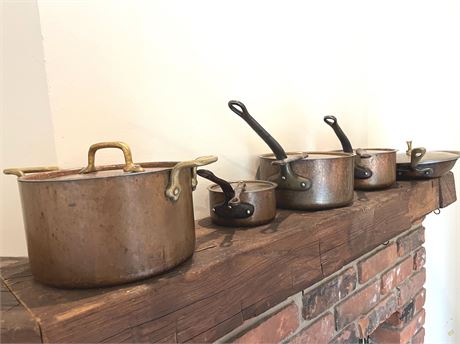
110, 224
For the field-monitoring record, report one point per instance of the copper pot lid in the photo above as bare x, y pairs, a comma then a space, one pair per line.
101, 172
294, 156
365, 152
129, 168
91, 172
247, 185
425, 157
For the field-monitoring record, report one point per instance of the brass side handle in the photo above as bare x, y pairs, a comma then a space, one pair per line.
174, 189
416, 155
22, 171
129, 165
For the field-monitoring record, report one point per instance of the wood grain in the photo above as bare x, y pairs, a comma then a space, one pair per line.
235, 274
447, 193
17, 324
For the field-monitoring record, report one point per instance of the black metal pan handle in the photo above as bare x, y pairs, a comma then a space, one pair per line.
332, 122
240, 109
238, 210
361, 172
286, 179
224, 185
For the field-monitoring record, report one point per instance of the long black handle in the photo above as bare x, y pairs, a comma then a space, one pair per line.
239, 108
332, 122
224, 185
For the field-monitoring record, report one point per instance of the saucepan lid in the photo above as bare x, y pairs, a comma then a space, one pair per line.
247, 186
423, 157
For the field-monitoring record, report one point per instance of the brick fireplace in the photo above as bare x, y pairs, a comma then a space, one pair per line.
338, 276
378, 296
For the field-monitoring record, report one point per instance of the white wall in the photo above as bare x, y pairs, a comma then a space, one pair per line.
158, 75
26, 130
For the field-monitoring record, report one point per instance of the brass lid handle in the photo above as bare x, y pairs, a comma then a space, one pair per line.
409, 148
129, 165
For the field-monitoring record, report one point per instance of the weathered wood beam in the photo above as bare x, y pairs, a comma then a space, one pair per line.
235, 274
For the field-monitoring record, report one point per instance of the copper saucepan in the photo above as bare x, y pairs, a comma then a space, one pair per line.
375, 168
306, 180
110, 224
244, 203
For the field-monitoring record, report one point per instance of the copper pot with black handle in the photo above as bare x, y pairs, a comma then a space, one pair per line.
244, 203
306, 180
375, 168
110, 224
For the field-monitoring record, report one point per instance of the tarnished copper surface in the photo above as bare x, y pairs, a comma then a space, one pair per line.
331, 176
260, 194
382, 163
106, 230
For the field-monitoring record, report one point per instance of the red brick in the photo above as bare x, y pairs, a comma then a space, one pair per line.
419, 337
327, 294
396, 275
401, 317
419, 258
396, 335
379, 261
321, 331
357, 304
368, 323
274, 329
419, 300
347, 336
411, 241
411, 287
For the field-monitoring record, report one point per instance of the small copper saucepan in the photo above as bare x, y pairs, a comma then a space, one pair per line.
375, 168
240, 204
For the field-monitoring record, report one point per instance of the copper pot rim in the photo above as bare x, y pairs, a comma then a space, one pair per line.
50, 176
269, 186
373, 151
338, 155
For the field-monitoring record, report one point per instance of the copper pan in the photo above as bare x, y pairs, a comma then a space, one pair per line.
306, 180
244, 203
375, 168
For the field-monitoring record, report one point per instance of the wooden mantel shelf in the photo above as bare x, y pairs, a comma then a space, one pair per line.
234, 274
